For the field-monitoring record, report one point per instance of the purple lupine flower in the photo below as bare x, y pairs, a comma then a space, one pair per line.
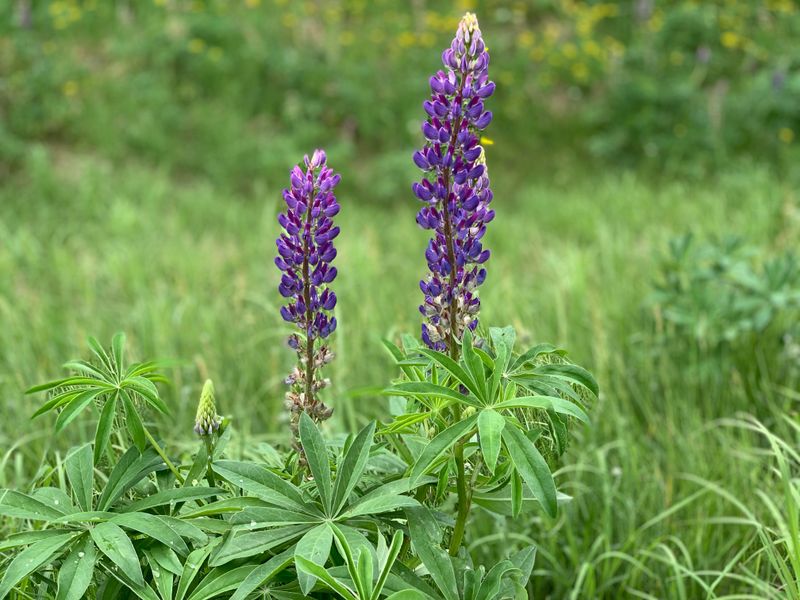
455, 188
305, 253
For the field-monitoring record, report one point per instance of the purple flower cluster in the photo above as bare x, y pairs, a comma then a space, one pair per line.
306, 248
455, 189
305, 253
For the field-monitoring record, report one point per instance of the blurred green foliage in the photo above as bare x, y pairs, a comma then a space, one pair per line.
230, 88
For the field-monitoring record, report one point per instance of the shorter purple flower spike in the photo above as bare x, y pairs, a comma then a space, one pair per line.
305, 254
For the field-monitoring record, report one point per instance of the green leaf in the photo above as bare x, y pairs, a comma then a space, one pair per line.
474, 364
424, 389
553, 403
28, 537
154, 527
83, 367
309, 569
532, 467
503, 339
243, 545
439, 445
147, 390
452, 367
118, 350
129, 470
490, 586
531, 354
426, 537
56, 401
490, 427
80, 472
391, 556
134, 422
77, 570
317, 457
377, 504
269, 516
408, 595
349, 472
572, 373
314, 546
42, 387
166, 558
164, 579
173, 495
194, 562
75, 406
220, 580
104, 426
33, 557
99, 352
262, 574
524, 560
219, 507
260, 481
21, 506
112, 541
343, 545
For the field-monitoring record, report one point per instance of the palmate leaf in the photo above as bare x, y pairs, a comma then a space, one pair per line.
109, 384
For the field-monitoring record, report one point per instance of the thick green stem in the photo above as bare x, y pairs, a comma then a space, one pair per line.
210, 459
163, 456
464, 500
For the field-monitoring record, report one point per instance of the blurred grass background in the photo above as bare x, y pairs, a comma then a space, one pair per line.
143, 146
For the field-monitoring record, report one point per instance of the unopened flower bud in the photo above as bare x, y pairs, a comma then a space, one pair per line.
207, 421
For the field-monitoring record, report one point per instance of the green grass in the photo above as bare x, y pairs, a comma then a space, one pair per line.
664, 482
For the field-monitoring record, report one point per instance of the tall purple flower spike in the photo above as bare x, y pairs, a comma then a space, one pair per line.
305, 253
455, 189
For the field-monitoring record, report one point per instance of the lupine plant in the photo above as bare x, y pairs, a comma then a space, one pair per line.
475, 425
305, 252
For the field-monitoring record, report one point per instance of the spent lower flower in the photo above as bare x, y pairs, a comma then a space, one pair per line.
455, 188
305, 254
207, 421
